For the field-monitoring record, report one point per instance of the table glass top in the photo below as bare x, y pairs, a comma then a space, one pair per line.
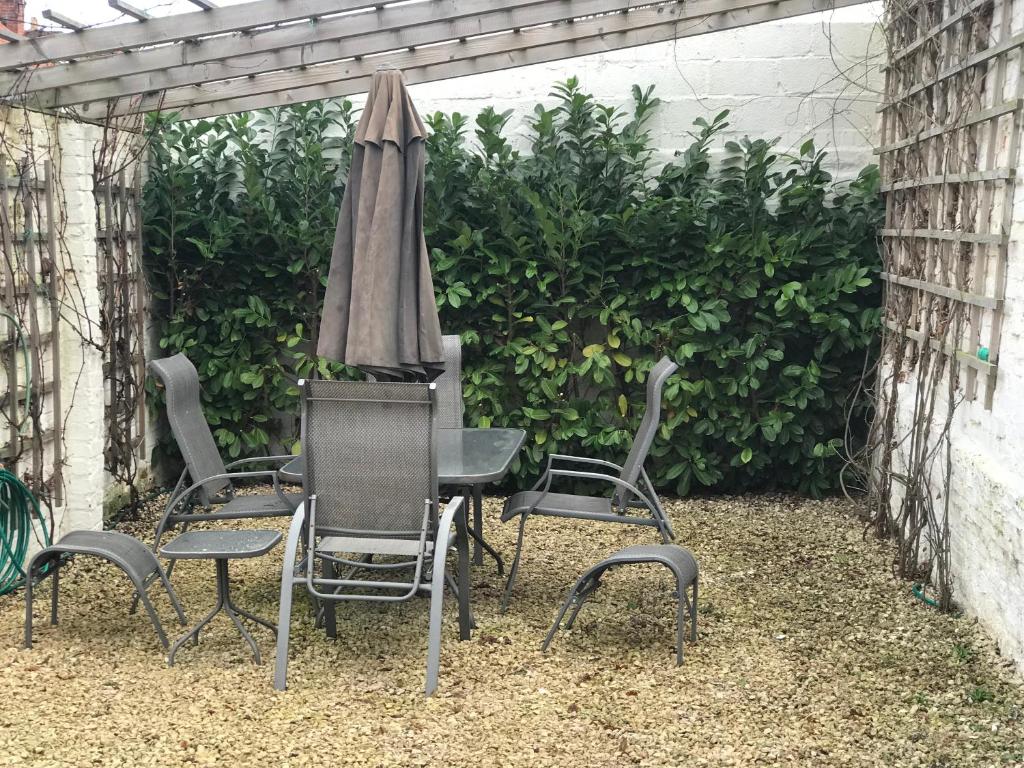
464, 456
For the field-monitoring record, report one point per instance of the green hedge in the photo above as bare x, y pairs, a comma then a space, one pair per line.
569, 269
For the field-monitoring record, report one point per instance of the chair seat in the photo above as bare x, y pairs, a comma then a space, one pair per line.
366, 546
680, 560
248, 506
556, 504
126, 552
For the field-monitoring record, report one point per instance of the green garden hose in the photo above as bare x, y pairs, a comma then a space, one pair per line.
18, 511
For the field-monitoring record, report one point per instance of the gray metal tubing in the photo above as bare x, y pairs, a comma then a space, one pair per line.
259, 460
655, 511
140, 590
411, 587
288, 582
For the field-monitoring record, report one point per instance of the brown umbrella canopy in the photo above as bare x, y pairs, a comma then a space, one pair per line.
379, 310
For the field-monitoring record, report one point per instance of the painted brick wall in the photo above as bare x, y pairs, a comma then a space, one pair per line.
813, 76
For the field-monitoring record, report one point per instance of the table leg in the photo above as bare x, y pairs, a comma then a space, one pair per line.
225, 604
478, 524
194, 632
462, 546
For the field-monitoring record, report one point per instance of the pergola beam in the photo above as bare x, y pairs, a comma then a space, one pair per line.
94, 41
461, 19
455, 50
59, 18
129, 10
516, 56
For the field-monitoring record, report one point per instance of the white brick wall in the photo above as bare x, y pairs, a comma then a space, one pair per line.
815, 75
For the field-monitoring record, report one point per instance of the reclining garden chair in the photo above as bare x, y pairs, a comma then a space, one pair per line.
371, 491
206, 478
632, 488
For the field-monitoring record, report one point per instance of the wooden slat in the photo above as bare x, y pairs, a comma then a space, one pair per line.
11, 450
999, 174
129, 10
946, 235
991, 113
65, 21
11, 302
10, 36
302, 46
973, 60
930, 34
59, 46
507, 52
57, 489
440, 54
964, 357
941, 290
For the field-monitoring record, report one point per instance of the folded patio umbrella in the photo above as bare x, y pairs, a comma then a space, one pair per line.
379, 310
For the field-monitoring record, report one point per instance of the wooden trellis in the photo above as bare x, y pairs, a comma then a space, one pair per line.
123, 312
31, 420
950, 128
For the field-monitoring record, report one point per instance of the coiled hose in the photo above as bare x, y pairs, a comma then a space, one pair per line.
18, 511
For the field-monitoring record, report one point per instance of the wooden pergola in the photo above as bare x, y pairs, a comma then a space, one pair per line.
267, 53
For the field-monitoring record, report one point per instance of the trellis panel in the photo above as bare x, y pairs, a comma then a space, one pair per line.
951, 121
31, 415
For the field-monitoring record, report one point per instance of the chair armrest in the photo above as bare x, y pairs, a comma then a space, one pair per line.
608, 479
562, 457
566, 458
444, 525
272, 474
259, 459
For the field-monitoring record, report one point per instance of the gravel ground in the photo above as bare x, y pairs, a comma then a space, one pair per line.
809, 654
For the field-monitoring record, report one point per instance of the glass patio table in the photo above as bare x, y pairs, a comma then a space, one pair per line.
467, 459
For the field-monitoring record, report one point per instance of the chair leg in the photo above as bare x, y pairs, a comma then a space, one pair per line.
53, 592
515, 565
681, 606
581, 597
462, 547
172, 595
284, 616
693, 613
434, 634
28, 604
478, 524
153, 618
561, 614
330, 613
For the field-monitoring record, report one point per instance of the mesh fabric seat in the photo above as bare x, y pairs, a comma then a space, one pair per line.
206, 478
127, 553
680, 561
631, 491
371, 490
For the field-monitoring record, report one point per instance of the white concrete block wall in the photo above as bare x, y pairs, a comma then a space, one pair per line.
812, 76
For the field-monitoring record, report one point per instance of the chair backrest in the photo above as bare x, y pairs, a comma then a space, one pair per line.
450, 407
188, 424
644, 437
370, 456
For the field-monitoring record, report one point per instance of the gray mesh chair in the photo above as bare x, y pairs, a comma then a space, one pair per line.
371, 491
450, 407
206, 478
450, 415
631, 487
